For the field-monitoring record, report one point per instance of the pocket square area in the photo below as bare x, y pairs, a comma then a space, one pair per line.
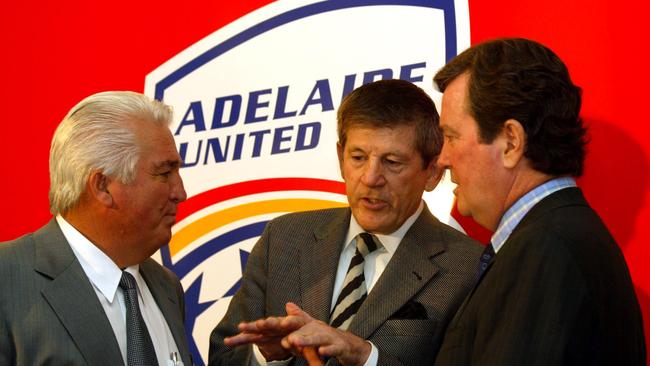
411, 310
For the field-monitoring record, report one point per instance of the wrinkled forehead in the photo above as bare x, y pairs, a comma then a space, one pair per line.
400, 137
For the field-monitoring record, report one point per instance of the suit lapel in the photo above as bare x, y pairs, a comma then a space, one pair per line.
318, 265
461, 309
408, 271
73, 299
167, 301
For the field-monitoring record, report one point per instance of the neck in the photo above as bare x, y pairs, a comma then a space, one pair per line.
521, 183
99, 233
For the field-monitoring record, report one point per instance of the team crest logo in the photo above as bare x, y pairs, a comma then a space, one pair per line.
255, 124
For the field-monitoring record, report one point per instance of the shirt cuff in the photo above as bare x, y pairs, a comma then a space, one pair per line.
374, 356
259, 359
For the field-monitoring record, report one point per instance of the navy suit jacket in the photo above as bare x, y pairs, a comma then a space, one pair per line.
557, 293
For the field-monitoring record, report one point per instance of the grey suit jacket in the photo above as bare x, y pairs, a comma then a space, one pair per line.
49, 311
296, 260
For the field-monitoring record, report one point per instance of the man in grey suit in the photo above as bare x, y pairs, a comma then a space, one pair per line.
375, 283
82, 290
557, 291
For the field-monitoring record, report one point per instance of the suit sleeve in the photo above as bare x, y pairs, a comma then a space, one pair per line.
248, 304
386, 359
7, 354
10, 290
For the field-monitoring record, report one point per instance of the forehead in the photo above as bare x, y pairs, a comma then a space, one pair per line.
398, 138
156, 143
454, 111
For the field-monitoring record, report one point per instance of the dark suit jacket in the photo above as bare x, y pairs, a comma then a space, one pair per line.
49, 311
557, 293
404, 315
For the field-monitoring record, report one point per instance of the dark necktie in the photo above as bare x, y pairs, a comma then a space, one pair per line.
139, 348
354, 285
484, 261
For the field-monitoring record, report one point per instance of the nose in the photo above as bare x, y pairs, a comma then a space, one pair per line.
178, 193
443, 158
373, 174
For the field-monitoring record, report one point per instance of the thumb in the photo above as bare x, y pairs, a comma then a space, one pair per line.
295, 310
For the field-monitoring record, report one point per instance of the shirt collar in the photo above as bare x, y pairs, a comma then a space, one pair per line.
102, 272
389, 241
523, 205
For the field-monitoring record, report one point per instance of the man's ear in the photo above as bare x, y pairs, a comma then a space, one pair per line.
339, 153
98, 188
514, 138
435, 173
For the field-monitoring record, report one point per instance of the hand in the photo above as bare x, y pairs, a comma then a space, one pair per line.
267, 333
349, 349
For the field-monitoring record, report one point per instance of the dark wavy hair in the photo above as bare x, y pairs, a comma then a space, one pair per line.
523, 80
392, 103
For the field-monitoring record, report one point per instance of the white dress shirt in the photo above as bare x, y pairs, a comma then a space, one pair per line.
374, 265
105, 276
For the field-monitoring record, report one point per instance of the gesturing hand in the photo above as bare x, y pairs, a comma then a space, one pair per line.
267, 333
349, 349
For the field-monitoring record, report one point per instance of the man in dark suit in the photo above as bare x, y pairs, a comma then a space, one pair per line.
82, 290
377, 282
557, 291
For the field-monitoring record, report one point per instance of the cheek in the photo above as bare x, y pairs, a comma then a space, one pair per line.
462, 156
351, 179
153, 200
469, 162
406, 189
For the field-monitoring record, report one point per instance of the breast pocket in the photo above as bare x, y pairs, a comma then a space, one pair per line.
414, 342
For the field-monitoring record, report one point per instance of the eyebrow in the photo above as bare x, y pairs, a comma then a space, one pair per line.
447, 129
393, 153
172, 164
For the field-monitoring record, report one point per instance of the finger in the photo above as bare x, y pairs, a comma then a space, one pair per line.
330, 350
291, 323
253, 327
279, 325
269, 324
307, 338
247, 327
293, 309
243, 338
260, 325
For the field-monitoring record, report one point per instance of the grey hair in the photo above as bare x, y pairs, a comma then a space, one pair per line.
97, 135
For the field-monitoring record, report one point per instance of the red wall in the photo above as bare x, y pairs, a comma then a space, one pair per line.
56, 53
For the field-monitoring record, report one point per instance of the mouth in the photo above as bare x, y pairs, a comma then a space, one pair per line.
373, 203
170, 216
457, 185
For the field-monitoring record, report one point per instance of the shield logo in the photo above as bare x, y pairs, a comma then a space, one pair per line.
255, 123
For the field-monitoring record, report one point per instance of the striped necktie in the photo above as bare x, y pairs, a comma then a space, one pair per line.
139, 347
354, 285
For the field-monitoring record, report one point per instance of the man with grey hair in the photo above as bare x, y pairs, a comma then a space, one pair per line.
82, 290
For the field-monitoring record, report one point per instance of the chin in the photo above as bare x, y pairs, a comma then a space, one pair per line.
462, 209
169, 221
163, 239
369, 225
377, 227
